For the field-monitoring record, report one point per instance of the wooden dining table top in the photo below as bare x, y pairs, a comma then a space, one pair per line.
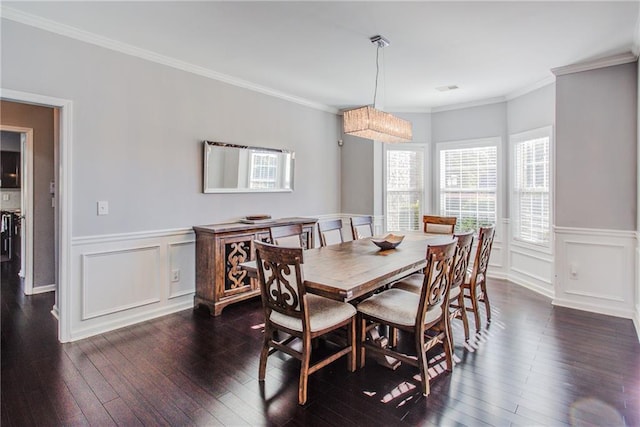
351, 269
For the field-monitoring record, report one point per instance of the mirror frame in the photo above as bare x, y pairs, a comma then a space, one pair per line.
206, 144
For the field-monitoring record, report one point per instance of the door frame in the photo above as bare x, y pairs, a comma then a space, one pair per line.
26, 205
62, 309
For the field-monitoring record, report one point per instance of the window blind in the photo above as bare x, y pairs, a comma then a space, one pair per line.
468, 186
531, 190
405, 189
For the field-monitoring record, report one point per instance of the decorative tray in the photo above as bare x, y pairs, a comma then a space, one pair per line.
255, 219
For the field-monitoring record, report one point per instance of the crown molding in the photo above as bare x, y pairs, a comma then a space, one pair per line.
609, 61
127, 49
470, 104
527, 89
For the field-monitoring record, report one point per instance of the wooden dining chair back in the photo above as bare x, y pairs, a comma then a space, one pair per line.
458, 276
361, 227
439, 224
287, 235
475, 286
289, 309
330, 232
414, 282
414, 313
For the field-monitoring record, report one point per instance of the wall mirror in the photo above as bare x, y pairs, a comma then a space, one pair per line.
230, 168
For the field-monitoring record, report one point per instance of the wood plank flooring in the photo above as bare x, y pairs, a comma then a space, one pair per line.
535, 364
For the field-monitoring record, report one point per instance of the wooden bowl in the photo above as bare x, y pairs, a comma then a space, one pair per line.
390, 241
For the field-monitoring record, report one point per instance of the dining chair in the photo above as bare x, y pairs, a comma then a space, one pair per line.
290, 309
474, 287
330, 231
413, 313
457, 310
361, 227
439, 224
287, 235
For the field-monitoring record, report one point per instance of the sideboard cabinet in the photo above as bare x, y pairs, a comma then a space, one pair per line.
220, 248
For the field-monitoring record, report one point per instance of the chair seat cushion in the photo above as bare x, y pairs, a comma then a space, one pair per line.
397, 306
323, 313
412, 283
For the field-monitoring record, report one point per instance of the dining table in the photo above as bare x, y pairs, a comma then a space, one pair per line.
350, 270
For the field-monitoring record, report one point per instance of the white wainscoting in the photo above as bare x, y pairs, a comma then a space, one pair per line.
595, 270
530, 266
498, 261
119, 280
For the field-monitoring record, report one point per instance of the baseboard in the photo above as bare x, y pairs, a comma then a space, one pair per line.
131, 320
499, 275
43, 289
593, 308
55, 313
549, 293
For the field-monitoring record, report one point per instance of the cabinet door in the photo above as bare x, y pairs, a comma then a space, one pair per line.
235, 250
10, 169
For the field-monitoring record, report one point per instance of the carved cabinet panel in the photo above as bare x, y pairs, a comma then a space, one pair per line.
221, 248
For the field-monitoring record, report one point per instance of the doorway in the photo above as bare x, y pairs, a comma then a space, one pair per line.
57, 195
16, 207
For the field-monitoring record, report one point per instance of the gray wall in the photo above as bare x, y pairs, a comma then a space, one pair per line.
533, 110
596, 142
357, 176
470, 123
474, 123
138, 128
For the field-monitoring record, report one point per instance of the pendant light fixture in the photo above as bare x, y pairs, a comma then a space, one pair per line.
371, 123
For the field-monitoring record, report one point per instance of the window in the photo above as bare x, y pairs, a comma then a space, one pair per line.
404, 187
531, 197
468, 182
264, 170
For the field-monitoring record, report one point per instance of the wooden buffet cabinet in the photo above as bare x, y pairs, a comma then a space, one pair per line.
220, 248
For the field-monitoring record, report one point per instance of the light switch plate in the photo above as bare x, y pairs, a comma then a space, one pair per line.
103, 207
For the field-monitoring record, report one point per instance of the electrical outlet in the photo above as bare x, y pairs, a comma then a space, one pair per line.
175, 275
5, 197
103, 207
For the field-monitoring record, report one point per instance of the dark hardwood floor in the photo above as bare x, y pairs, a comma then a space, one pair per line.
534, 365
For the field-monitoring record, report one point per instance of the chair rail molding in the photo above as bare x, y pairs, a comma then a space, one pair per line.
596, 270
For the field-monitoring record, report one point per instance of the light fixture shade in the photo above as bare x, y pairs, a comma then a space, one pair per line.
367, 122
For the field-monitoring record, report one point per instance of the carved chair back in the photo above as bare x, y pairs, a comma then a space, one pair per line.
361, 226
463, 256
481, 261
439, 224
437, 280
326, 228
281, 281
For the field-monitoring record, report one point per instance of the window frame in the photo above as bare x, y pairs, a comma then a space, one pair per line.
541, 132
426, 176
494, 141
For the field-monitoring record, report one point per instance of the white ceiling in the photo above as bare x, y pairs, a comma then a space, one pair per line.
320, 51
